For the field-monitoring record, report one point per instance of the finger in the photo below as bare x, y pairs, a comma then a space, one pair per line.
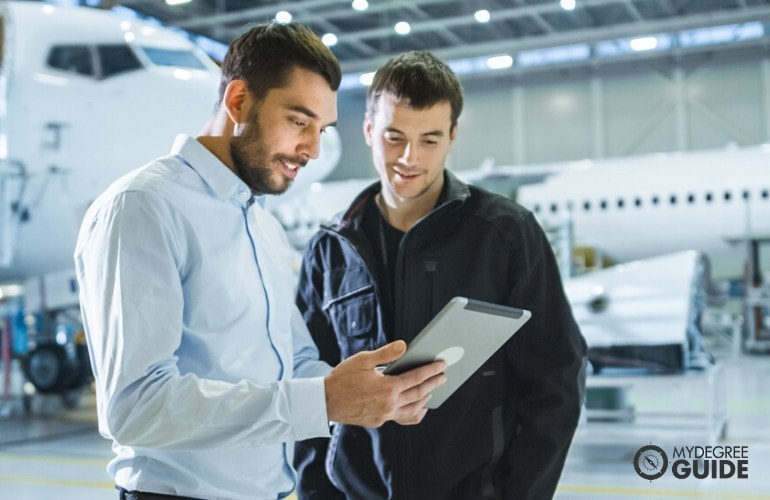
419, 392
417, 376
385, 354
412, 413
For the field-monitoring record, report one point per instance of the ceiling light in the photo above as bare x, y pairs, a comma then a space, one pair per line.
481, 16
567, 4
500, 62
177, 2
329, 39
283, 17
402, 28
643, 43
360, 4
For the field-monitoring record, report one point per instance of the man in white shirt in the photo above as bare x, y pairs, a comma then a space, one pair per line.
205, 372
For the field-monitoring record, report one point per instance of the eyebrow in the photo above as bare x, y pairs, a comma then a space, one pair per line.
309, 113
432, 132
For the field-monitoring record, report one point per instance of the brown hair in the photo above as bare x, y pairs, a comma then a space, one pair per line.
418, 78
265, 55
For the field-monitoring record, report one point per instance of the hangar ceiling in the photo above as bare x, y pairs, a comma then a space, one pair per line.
594, 33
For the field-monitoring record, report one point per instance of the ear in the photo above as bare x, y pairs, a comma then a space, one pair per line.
236, 101
367, 130
453, 134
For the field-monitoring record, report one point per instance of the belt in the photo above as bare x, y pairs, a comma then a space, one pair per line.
144, 495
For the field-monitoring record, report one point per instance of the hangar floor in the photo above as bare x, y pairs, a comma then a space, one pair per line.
57, 453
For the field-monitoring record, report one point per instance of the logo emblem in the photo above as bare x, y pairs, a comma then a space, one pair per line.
650, 462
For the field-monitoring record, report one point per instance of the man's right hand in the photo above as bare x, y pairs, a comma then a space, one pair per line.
357, 393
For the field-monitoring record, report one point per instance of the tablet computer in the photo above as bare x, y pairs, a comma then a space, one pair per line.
465, 333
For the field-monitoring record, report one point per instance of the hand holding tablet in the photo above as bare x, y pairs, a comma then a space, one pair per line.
464, 334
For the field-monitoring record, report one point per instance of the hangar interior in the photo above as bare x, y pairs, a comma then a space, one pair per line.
671, 98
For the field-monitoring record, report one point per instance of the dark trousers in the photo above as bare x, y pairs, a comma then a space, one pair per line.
143, 495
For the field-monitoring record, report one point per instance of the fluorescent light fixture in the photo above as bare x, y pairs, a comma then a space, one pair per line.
643, 43
481, 16
553, 55
714, 35
360, 4
469, 66
366, 79
283, 16
623, 46
402, 28
177, 2
329, 39
567, 4
500, 62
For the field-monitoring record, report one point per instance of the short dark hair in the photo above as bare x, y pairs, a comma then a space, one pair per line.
265, 55
420, 79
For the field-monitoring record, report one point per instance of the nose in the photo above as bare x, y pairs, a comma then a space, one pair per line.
310, 146
409, 154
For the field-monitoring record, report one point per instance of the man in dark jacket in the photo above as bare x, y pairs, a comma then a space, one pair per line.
381, 270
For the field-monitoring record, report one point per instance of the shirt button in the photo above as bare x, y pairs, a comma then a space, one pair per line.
354, 324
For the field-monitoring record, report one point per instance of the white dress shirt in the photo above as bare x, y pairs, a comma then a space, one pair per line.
205, 372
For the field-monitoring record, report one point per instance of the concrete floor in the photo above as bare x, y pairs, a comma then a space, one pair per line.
57, 453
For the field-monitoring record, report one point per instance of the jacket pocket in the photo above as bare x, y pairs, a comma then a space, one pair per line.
353, 316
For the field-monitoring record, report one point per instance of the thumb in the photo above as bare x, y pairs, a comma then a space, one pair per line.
386, 354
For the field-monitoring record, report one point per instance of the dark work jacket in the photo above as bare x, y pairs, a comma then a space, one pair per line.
506, 432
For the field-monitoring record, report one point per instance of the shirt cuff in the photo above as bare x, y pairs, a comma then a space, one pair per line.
307, 398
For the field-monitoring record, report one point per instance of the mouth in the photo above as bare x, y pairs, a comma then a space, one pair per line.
406, 176
290, 168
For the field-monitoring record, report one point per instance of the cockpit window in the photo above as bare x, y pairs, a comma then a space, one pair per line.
116, 59
71, 58
176, 58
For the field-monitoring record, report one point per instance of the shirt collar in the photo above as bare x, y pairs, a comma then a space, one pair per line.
220, 179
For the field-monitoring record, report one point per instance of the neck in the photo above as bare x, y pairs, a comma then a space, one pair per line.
215, 136
402, 213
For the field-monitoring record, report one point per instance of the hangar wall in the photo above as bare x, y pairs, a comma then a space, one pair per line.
600, 115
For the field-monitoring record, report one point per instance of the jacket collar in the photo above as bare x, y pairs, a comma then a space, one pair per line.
454, 194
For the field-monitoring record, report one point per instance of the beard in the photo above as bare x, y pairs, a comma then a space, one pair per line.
252, 160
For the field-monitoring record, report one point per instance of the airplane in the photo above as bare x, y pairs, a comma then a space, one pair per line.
670, 221
86, 95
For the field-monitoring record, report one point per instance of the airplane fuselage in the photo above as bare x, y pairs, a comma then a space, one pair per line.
646, 206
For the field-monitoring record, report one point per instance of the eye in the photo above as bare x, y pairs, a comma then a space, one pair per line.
393, 138
297, 121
